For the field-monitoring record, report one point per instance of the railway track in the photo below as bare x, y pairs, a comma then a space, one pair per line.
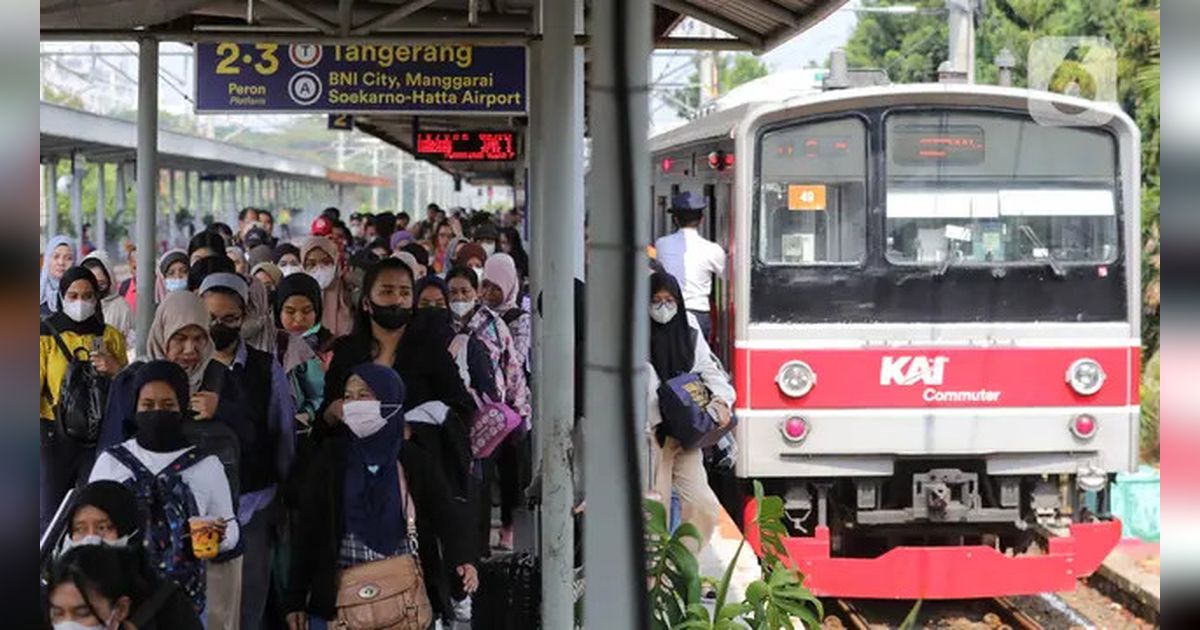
997, 613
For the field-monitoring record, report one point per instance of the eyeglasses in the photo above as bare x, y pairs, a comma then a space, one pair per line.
232, 321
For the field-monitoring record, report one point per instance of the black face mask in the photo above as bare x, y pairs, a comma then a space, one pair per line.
390, 317
160, 431
224, 336
433, 315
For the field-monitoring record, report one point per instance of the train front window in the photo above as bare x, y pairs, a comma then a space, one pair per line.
812, 194
996, 189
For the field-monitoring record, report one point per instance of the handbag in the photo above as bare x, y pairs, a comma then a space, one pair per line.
684, 402
386, 594
494, 422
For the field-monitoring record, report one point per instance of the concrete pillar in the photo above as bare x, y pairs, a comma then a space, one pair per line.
172, 210
147, 182
122, 190
559, 148
187, 194
99, 229
77, 174
617, 325
52, 213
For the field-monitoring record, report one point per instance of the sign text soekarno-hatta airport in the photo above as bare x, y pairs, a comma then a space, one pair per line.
417, 78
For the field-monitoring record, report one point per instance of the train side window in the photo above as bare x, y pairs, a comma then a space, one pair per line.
812, 202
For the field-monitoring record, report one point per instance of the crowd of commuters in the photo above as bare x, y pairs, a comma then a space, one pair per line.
310, 418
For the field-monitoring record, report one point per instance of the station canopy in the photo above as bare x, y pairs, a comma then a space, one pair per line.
749, 25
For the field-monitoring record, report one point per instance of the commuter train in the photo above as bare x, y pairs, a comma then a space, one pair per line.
930, 312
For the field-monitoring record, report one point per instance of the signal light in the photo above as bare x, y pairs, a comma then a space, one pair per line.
667, 163
794, 429
720, 160
1084, 426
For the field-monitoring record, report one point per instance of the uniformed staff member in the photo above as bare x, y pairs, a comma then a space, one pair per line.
691, 258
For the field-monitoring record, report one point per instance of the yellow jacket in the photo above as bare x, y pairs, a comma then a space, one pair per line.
53, 364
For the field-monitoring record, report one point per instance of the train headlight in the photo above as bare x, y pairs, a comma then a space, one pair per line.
1085, 376
795, 379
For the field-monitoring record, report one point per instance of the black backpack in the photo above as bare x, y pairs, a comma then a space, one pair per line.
82, 397
217, 438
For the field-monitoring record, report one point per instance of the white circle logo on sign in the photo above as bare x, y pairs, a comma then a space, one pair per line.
305, 55
304, 88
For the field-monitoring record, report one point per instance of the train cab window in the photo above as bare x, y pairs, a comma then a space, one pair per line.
990, 189
812, 194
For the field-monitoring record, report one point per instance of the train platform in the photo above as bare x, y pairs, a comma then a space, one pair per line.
1131, 576
720, 551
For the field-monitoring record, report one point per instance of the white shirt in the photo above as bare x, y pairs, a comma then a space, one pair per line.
206, 480
705, 365
693, 260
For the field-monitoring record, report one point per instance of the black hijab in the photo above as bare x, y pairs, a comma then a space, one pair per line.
207, 266
162, 432
93, 325
672, 345
435, 323
297, 284
112, 498
283, 249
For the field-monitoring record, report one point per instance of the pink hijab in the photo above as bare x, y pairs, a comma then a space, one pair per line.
500, 270
336, 314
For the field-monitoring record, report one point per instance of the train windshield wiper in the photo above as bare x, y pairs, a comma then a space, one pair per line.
953, 256
1050, 261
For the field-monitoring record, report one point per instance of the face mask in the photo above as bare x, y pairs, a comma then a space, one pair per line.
75, 625
460, 309
160, 431
433, 315
224, 336
663, 312
79, 310
290, 269
488, 247
478, 273
365, 417
323, 275
175, 284
390, 317
69, 544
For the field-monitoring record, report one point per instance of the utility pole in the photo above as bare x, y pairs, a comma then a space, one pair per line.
961, 15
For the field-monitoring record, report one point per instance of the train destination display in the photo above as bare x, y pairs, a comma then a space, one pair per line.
457, 146
419, 78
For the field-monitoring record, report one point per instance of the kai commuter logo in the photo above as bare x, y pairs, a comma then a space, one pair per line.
930, 372
912, 370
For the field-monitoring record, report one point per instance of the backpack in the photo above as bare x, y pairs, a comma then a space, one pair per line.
165, 503
82, 397
212, 437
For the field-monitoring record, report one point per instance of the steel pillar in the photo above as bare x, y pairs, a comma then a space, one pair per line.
77, 205
618, 328
52, 212
99, 228
122, 190
147, 184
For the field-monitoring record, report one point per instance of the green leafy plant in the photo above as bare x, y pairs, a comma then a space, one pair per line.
771, 602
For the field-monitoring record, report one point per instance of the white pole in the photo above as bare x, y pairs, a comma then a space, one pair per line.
99, 229
147, 185
558, 329
617, 325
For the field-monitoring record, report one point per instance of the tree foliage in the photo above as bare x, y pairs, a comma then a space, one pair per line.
732, 71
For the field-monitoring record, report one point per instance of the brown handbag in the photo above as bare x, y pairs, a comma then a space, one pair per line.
386, 594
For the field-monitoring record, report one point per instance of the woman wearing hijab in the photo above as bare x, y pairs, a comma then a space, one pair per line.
105, 513
676, 348
158, 451
385, 333
366, 483
440, 246
104, 587
172, 274
259, 328
78, 326
472, 256
319, 256
287, 256
433, 314
399, 239
298, 316
115, 310
59, 256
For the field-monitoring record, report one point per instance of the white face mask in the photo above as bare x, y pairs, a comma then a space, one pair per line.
323, 275
488, 247
75, 625
478, 272
460, 309
93, 539
79, 310
365, 417
290, 269
175, 284
663, 312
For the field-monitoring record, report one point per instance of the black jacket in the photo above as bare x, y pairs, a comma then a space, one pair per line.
443, 530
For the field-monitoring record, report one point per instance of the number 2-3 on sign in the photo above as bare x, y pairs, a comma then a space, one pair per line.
802, 197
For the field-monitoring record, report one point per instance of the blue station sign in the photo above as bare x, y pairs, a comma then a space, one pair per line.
351, 78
